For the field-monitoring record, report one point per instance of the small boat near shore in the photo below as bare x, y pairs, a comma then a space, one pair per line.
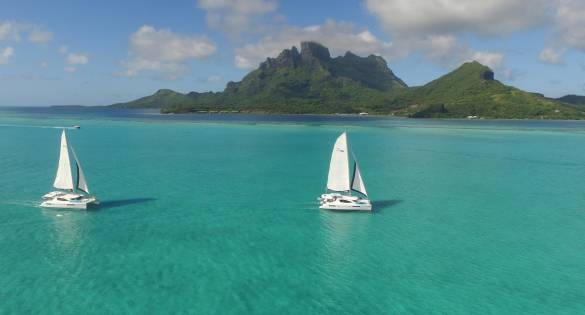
340, 184
70, 194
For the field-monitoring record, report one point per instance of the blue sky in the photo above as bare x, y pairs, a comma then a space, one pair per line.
96, 53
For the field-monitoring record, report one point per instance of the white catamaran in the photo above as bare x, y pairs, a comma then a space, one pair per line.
68, 196
339, 183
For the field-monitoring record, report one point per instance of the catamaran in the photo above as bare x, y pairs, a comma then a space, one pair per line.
339, 183
71, 195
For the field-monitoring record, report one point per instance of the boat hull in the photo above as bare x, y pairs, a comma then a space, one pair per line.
58, 200
338, 202
336, 207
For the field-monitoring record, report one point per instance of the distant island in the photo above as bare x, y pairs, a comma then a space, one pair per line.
312, 82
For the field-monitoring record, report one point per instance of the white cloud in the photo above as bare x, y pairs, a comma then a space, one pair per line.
339, 37
9, 31
551, 56
39, 36
76, 59
442, 49
214, 79
72, 59
408, 21
44, 64
490, 59
448, 51
424, 17
570, 23
13, 31
6, 54
435, 28
25, 77
164, 51
236, 16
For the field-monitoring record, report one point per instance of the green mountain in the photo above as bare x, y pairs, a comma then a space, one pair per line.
577, 100
162, 98
471, 90
311, 81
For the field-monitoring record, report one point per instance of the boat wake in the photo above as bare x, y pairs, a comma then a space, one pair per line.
38, 126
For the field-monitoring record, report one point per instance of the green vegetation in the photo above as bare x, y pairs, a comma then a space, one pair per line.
471, 91
575, 100
313, 82
161, 99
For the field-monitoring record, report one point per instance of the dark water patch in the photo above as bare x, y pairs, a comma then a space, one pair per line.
123, 202
378, 205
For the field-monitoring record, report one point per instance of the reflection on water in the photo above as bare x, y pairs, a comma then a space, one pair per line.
342, 234
68, 237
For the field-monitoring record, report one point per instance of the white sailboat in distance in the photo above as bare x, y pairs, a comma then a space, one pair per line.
340, 184
70, 194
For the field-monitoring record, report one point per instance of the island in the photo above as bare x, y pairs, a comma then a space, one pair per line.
310, 81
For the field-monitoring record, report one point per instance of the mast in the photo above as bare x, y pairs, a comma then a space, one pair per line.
64, 177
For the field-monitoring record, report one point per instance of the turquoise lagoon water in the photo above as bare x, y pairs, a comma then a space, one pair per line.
218, 214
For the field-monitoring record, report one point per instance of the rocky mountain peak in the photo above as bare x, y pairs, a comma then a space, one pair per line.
310, 50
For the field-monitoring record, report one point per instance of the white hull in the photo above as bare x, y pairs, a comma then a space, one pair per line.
61, 200
344, 203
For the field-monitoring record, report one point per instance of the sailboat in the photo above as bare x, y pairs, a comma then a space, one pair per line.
70, 194
340, 184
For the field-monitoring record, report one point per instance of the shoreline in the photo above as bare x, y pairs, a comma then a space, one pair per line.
157, 111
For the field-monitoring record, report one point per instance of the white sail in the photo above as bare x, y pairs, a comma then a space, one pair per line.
64, 178
338, 179
81, 182
357, 182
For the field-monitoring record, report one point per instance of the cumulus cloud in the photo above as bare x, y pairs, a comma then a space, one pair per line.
76, 59
234, 17
6, 54
568, 30
448, 51
410, 20
551, 56
40, 36
9, 31
164, 51
214, 79
13, 31
337, 36
490, 59
570, 23
73, 60
423, 17
25, 77
436, 28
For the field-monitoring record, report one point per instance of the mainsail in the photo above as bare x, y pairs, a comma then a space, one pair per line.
64, 178
338, 179
81, 183
357, 183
